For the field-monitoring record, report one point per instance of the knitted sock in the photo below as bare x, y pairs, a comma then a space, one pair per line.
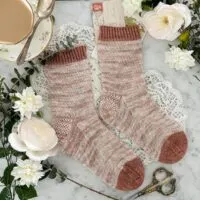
81, 133
125, 103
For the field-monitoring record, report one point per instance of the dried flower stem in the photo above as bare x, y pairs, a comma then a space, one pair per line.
88, 188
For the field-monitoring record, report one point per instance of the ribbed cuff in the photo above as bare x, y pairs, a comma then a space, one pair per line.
128, 33
70, 56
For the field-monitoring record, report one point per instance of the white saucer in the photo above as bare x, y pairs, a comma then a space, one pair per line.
39, 43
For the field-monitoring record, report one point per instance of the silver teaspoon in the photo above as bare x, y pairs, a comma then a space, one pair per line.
44, 10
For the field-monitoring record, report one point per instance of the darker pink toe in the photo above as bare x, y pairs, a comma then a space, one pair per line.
131, 176
174, 148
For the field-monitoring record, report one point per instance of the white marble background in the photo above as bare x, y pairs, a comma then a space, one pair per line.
187, 171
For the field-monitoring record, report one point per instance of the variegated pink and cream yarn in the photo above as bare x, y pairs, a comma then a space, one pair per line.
80, 131
125, 103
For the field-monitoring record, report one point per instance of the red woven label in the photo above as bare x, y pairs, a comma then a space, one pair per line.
97, 7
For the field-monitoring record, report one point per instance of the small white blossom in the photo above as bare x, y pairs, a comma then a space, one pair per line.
27, 172
179, 59
132, 7
28, 103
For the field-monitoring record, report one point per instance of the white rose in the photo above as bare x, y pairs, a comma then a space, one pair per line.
35, 137
166, 21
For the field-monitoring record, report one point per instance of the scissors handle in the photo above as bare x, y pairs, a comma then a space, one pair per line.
166, 184
161, 170
162, 182
170, 187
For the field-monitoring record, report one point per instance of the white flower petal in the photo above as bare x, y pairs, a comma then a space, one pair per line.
16, 142
185, 12
172, 37
27, 114
179, 59
38, 155
27, 172
28, 103
43, 155
54, 151
38, 135
161, 6
132, 7
155, 27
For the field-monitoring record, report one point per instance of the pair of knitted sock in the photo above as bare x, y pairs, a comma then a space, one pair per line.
124, 104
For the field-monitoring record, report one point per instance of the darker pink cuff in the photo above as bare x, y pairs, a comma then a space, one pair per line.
69, 56
128, 33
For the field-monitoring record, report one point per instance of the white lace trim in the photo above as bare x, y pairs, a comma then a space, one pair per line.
168, 98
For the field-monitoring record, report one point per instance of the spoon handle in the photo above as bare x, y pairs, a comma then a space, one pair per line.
22, 56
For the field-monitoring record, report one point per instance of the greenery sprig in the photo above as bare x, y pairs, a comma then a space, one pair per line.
8, 118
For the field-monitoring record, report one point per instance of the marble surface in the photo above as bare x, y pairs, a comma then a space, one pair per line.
187, 171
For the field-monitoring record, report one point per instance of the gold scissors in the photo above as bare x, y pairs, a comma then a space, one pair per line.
163, 182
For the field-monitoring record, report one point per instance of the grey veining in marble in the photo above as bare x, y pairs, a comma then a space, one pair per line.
187, 171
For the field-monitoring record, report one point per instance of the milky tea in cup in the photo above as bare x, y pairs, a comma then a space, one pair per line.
16, 21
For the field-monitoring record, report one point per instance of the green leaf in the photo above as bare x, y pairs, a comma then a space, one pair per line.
39, 114
29, 71
14, 98
25, 193
6, 194
7, 88
57, 47
130, 21
27, 81
15, 81
17, 73
16, 153
53, 173
146, 7
4, 152
8, 126
33, 66
171, 1
45, 175
7, 177
24, 157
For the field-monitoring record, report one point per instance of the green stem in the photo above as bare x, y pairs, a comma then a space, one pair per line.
3, 138
8, 157
14, 192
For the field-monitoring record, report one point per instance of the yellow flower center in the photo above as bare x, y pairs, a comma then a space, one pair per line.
165, 20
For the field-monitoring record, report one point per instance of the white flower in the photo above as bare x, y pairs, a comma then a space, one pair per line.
132, 7
179, 59
35, 137
166, 21
28, 103
27, 172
